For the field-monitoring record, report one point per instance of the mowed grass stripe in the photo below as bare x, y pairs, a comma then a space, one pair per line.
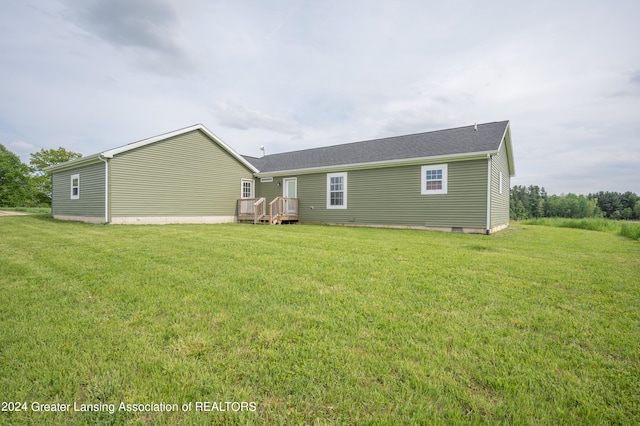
318, 323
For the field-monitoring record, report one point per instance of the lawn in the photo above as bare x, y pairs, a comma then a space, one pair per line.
298, 324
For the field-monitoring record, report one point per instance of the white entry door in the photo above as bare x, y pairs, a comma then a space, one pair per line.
290, 190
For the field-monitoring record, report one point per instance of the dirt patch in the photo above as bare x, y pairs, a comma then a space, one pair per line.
7, 213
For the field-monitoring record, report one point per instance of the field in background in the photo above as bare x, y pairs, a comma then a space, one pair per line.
619, 227
313, 323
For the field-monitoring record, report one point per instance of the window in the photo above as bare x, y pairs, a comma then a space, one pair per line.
434, 179
337, 191
75, 187
247, 188
500, 183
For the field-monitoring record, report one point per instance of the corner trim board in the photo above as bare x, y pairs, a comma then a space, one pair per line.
489, 166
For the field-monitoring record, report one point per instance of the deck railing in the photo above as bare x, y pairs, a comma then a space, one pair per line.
246, 206
260, 210
281, 208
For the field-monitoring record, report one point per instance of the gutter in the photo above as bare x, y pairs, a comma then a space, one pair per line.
106, 187
379, 164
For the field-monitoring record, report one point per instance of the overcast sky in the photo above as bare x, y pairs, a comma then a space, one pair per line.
90, 75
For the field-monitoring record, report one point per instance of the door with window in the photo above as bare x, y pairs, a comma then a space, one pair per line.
247, 196
290, 190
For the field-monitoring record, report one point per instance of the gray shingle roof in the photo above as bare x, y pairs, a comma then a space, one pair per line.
461, 140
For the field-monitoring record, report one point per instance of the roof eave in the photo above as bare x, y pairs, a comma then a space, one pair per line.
113, 152
380, 164
82, 161
506, 139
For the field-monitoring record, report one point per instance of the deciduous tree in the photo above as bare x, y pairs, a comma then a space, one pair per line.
43, 159
15, 183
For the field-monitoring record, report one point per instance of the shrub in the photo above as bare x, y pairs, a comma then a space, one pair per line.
630, 230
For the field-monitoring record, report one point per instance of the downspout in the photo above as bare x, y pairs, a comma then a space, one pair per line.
106, 188
489, 194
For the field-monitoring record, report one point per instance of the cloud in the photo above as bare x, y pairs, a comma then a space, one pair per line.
415, 116
22, 149
592, 176
21, 146
623, 85
93, 74
320, 110
148, 31
236, 116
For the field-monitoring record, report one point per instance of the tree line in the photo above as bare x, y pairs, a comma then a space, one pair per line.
27, 185
528, 202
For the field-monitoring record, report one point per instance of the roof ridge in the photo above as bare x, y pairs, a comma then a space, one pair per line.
385, 138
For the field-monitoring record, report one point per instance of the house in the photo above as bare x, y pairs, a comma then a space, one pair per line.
453, 180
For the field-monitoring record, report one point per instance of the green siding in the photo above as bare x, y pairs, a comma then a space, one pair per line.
391, 196
271, 190
186, 175
500, 202
91, 201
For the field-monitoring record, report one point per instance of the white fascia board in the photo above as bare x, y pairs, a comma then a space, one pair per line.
506, 139
380, 164
82, 161
228, 149
110, 153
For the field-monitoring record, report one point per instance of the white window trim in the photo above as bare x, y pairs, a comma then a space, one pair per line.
500, 184
284, 187
344, 195
445, 179
76, 196
253, 188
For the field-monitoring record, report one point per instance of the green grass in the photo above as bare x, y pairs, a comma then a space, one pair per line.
46, 210
316, 324
619, 227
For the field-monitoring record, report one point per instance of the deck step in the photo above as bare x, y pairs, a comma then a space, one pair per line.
265, 220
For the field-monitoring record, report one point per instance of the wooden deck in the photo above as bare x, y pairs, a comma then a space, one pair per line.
256, 210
